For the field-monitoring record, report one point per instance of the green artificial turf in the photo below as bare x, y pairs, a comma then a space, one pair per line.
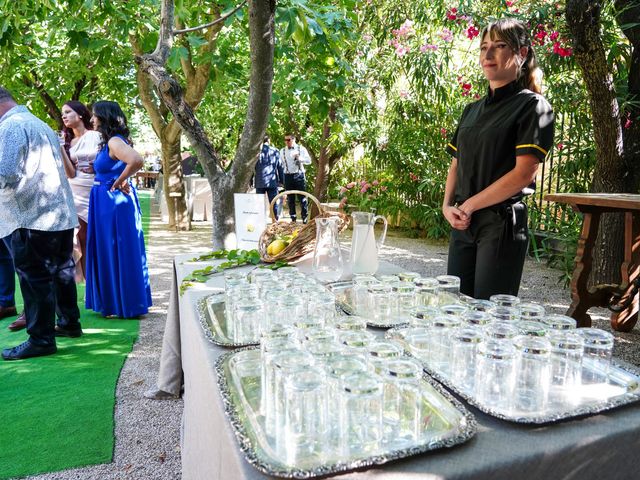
56, 412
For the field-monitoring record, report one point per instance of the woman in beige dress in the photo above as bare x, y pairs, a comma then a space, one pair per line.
81, 143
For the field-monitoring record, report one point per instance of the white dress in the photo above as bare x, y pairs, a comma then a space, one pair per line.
84, 153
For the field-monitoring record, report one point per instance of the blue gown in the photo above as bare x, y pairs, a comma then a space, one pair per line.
117, 274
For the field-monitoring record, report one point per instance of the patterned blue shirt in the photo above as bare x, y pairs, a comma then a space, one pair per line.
269, 171
34, 190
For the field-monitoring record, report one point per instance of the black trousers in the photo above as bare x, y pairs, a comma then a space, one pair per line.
489, 256
45, 267
271, 194
296, 181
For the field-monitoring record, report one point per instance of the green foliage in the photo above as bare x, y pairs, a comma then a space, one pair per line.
234, 259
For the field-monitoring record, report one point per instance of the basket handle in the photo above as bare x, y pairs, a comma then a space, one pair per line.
297, 192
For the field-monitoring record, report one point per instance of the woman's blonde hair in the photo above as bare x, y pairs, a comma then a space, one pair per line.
514, 34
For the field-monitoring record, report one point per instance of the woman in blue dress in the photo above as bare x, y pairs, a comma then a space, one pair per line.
117, 274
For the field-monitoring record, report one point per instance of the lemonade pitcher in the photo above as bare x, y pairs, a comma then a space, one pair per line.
364, 248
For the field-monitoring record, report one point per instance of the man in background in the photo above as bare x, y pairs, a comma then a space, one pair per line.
294, 158
269, 173
37, 211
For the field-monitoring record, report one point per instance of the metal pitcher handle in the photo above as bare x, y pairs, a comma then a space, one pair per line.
380, 241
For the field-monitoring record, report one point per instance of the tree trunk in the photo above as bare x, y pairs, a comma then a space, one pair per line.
223, 184
583, 20
173, 183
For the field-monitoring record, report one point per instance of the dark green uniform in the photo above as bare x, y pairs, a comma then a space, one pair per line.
489, 256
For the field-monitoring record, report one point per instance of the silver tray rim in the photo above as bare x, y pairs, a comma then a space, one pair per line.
213, 337
581, 411
467, 429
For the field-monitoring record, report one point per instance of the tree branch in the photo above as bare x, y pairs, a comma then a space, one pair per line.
49, 102
146, 94
78, 87
211, 24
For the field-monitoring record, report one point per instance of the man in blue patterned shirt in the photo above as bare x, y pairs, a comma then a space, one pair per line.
37, 211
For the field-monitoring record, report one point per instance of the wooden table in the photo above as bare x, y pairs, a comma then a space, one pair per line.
592, 205
145, 177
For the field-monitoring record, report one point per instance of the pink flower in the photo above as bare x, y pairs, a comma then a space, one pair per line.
375, 183
446, 35
628, 123
413, 177
343, 202
452, 13
404, 94
560, 146
405, 30
366, 37
401, 50
443, 132
509, 3
472, 32
342, 191
365, 188
383, 188
363, 183
562, 51
477, 96
554, 36
427, 46
351, 184
466, 88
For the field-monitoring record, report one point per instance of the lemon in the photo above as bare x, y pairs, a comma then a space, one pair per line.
250, 227
276, 247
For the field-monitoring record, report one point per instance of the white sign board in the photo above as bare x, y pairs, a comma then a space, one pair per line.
251, 218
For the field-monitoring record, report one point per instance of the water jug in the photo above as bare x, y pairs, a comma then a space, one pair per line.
364, 248
327, 258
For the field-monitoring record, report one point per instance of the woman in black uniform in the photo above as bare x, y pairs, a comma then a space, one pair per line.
496, 149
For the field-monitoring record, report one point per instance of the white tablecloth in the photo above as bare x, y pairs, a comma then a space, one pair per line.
199, 199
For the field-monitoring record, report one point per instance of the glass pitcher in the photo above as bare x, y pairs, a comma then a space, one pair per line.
364, 248
327, 257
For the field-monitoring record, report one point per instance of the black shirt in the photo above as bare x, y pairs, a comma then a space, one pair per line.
493, 131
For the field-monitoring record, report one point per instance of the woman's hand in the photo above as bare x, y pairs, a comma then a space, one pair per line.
89, 169
123, 186
456, 217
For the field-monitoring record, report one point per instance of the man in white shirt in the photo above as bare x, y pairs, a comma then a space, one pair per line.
38, 213
294, 157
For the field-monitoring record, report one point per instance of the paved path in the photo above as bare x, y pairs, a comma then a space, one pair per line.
148, 431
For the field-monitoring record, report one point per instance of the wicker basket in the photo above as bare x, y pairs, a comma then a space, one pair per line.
304, 242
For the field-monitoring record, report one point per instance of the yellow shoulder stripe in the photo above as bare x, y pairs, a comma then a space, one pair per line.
531, 145
454, 148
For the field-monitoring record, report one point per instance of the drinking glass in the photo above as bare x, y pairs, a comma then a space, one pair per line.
402, 402
247, 318
360, 415
289, 308
360, 292
455, 309
501, 331
390, 280
420, 341
567, 349
323, 305
421, 315
427, 291
379, 302
478, 318
480, 305
380, 351
559, 322
403, 300
531, 328
465, 342
598, 348
495, 374
261, 273
441, 331
408, 276
321, 334
305, 324
357, 343
532, 311
533, 373
350, 323
304, 436
269, 347
448, 289
505, 300
503, 313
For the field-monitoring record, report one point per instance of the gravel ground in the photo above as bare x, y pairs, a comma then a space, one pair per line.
148, 431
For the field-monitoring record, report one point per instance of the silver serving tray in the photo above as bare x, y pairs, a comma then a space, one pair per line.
623, 389
344, 300
239, 382
215, 326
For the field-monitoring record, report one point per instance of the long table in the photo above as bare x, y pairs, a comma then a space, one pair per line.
603, 446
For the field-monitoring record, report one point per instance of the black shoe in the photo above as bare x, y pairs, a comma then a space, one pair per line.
6, 312
28, 350
73, 332
305, 220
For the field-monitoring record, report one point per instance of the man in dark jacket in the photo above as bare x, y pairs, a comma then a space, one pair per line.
269, 173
